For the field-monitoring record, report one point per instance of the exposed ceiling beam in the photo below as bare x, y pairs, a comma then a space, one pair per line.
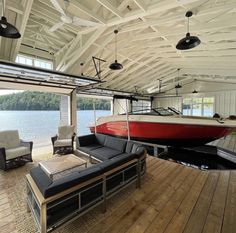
141, 5
111, 8
83, 49
24, 20
151, 9
14, 5
87, 11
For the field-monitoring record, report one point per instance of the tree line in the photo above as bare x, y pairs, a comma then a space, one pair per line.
46, 101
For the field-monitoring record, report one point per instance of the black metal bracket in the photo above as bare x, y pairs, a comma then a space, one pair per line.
97, 65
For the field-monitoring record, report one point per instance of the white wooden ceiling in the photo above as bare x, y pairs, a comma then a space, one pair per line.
148, 33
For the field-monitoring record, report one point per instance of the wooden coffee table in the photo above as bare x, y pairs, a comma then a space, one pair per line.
58, 167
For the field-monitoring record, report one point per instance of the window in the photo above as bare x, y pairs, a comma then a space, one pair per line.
198, 106
187, 106
31, 61
141, 105
208, 106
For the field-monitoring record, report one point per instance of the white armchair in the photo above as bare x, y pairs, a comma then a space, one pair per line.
14, 151
63, 142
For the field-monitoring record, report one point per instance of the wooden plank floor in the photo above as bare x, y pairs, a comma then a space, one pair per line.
7, 223
176, 199
173, 199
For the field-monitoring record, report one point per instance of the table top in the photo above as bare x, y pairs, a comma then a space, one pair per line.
62, 163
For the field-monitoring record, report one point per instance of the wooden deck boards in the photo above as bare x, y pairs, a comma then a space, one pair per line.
173, 199
176, 199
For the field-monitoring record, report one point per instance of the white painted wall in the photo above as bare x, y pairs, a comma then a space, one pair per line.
225, 101
65, 110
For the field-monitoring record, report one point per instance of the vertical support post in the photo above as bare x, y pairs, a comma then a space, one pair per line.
155, 151
138, 184
43, 219
127, 119
112, 106
94, 114
73, 111
28, 192
104, 191
65, 110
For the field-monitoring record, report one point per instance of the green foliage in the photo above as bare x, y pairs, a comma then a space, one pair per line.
87, 104
45, 101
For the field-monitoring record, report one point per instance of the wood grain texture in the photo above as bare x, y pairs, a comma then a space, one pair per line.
172, 198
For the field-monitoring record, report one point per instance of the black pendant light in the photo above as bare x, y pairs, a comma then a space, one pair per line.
7, 29
188, 42
195, 91
178, 85
116, 65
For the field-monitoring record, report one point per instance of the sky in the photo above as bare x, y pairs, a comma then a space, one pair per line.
7, 92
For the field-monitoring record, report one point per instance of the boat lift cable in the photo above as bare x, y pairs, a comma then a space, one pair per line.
95, 118
127, 119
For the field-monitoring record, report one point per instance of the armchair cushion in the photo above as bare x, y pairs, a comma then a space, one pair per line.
9, 139
65, 132
63, 142
17, 152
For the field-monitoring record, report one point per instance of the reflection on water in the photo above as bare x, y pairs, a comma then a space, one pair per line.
40, 126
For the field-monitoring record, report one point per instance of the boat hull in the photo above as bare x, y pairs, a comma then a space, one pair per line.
164, 133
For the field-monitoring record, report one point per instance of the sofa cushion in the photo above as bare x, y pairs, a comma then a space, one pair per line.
40, 178
3, 141
63, 142
104, 153
71, 180
115, 143
65, 132
116, 161
9, 139
87, 149
17, 152
86, 140
129, 147
100, 138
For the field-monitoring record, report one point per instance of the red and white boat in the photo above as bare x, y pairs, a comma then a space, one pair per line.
162, 126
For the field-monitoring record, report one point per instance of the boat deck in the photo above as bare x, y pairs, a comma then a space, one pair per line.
173, 199
228, 142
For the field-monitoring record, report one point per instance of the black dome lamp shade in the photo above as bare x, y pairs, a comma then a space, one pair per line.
7, 29
178, 85
188, 42
116, 65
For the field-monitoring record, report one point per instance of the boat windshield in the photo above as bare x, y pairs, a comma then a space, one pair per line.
163, 112
156, 112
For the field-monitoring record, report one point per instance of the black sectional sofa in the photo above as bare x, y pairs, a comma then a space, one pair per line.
103, 147
54, 203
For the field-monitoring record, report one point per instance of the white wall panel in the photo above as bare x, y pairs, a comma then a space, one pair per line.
225, 101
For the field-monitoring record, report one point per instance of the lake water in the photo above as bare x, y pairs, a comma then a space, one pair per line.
40, 126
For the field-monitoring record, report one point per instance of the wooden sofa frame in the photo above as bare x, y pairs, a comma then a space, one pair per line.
38, 205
